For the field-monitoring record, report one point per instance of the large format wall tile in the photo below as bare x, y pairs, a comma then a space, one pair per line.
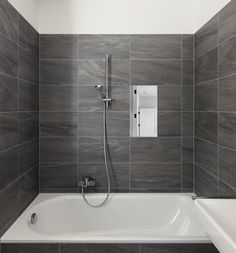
28, 67
156, 175
58, 175
97, 46
187, 46
155, 46
59, 46
227, 94
8, 94
153, 72
58, 99
227, 129
227, 58
155, 150
206, 96
206, 66
9, 51
227, 21
227, 166
206, 126
205, 183
58, 150
30, 248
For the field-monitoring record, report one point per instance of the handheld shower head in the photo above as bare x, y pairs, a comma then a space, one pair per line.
100, 89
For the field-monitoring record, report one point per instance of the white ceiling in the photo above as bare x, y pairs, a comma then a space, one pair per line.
118, 16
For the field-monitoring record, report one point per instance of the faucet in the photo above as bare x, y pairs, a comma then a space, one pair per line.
87, 181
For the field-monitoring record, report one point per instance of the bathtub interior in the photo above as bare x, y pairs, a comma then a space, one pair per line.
127, 217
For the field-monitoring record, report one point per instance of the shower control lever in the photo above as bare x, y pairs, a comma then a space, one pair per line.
87, 182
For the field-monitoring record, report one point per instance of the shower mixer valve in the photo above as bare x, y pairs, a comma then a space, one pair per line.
87, 182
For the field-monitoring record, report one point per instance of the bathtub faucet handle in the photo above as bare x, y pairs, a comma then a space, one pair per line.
87, 182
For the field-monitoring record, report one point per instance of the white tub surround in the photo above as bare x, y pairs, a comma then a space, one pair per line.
127, 218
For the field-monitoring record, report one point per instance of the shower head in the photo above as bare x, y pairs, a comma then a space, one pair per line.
100, 89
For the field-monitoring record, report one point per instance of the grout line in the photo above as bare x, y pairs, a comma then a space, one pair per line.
218, 103
181, 123
193, 169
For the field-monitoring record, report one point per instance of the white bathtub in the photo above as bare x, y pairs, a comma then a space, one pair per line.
127, 218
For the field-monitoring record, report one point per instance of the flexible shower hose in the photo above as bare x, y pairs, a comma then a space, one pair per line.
105, 161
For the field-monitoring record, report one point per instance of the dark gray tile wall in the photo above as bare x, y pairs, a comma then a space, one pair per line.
215, 110
105, 248
71, 112
19, 94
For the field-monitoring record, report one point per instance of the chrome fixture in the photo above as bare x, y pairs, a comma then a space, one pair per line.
33, 218
87, 181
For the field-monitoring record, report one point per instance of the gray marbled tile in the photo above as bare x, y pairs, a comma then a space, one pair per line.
205, 183
91, 124
91, 149
58, 150
178, 248
28, 37
59, 72
227, 94
28, 156
8, 167
227, 21
187, 150
28, 187
227, 129
8, 200
187, 124
59, 99
119, 174
187, 72
187, 175
187, 98
30, 248
59, 124
156, 175
92, 72
206, 96
9, 51
97, 46
8, 93
28, 126
28, 67
206, 126
207, 37
226, 190
9, 20
28, 96
169, 124
8, 130
58, 175
155, 150
206, 156
227, 166
169, 98
159, 46
227, 58
155, 72
59, 46
206, 66
187, 46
